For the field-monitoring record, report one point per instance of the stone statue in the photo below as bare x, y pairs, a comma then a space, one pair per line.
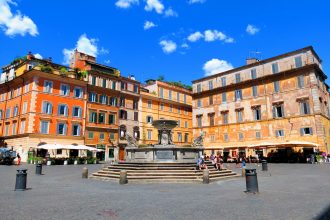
199, 140
131, 140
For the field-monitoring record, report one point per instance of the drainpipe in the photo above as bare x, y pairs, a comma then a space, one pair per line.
20, 108
5, 110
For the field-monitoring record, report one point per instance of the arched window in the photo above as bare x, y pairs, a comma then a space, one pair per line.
136, 133
122, 132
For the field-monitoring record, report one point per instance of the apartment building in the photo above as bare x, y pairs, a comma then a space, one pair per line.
280, 104
41, 102
162, 100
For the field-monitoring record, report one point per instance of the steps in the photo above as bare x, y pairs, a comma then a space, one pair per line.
160, 172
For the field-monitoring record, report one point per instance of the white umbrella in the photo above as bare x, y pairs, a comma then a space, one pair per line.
50, 146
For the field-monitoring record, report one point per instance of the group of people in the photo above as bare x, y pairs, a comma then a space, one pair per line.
216, 160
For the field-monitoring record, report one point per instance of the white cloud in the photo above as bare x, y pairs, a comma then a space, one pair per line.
38, 56
215, 66
84, 45
168, 46
126, 3
252, 30
171, 13
196, 1
148, 25
185, 45
107, 61
104, 51
17, 23
195, 36
154, 5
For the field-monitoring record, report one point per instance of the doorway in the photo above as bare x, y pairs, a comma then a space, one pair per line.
121, 153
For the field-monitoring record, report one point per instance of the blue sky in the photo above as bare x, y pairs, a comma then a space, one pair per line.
180, 39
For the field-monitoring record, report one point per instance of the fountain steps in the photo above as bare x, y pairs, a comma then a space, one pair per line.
167, 173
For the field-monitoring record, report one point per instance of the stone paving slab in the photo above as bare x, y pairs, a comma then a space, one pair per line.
287, 191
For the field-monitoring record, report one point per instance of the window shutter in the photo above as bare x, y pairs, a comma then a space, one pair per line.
66, 112
311, 130
301, 131
282, 110
44, 110
274, 112
58, 129
79, 112
307, 107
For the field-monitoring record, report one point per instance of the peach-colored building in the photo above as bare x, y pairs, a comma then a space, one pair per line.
280, 104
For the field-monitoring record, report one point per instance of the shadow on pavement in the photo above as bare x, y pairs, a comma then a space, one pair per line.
324, 215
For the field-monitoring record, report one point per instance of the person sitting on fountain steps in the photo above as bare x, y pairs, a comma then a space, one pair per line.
201, 163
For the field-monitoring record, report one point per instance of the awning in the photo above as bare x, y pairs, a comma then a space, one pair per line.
67, 147
50, 146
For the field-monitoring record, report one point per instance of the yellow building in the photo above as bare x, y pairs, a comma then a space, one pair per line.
279, 105
161, 100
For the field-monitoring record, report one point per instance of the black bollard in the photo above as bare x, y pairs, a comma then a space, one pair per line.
251, 181
21, 177
206, 176
264, 165
39, 169
123, 177
85, 173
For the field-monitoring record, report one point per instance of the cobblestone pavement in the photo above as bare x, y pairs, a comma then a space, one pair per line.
287, 191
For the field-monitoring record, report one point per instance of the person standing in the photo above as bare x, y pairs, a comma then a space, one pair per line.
18, 159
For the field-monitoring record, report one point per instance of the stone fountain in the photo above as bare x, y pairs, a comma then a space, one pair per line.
164, 150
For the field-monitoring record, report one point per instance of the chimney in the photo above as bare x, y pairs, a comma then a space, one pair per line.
251, 60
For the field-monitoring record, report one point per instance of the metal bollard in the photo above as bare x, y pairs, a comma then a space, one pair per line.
85, 173
21, 176
243, 172
39, 169
264, 165
251, 181
206, 176
123, 177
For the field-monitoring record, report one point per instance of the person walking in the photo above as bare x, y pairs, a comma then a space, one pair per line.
18, 159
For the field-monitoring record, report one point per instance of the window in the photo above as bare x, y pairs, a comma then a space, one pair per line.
162, 106
238, 77
122, 102
211, 119
61, 129
171, 108
179, 137
136, 116
59, 151
240, 136
63, 110
26, 88
210, 100
65, 90
149, 104
101, 136
111, 153
179, 123
304, 107
301, 81
306, 131
199, 120
258, 135
199, 87
47, 108
48, 86
44, 127
169, 94
90, 135
149, 119
123, 86
224, 117
7, 130
279, 133
92, 97
24, 107
112, 119
254, 91
135, 104
253, 73
199, 103
113, 85
77, 92
186, 111
179, 109
104, 83
104, 99
186, 137
257, 113
184, 98
15, 113
113, 101
224, 97
11, 94
239, 115
92, 117
223, 81
149, 134
278, 111
275, 68
76, 112
225, 137
298, 61
101, 118
14, 128
18, 93
136, 89
161, 92
8, 113
276, 86
76, 130
178, 96
238, 95
123, 114
22, 129
210, 85
112, 136
94, 80
186, 124
1, 114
